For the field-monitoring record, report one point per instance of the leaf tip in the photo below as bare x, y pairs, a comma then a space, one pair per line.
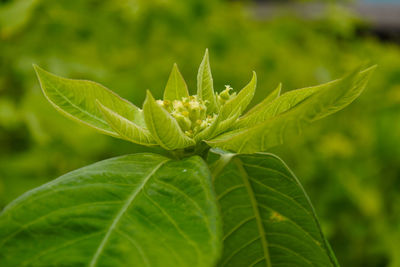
206, 57
37, 69
254, 77
149, 95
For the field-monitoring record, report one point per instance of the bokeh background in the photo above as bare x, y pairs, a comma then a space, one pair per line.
349, 163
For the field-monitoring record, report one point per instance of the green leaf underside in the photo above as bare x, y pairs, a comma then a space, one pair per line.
163, 127
127, 129
205, 86
263, 104
176, 87
241, 100
135, 210
76, 99
271, 132
267, 217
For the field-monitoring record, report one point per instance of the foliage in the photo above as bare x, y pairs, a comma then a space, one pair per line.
348, 163
111, 212
183, 122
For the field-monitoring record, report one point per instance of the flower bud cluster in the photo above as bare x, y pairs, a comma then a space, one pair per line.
225, 95
190, 113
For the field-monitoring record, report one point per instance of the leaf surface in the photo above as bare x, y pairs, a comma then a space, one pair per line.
126, 128
163, 127
272, 131
263, 104
135, 210
76, 99
268, 109
176, 87
267, 218
241, 100
205, 86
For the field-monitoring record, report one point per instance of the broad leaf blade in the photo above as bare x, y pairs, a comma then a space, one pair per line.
241, 100
163, 127
267, 217
125, 128
135, 210
176, 87
271, 132
205, 86
76, 99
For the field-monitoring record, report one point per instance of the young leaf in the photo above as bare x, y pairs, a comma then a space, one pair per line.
241, 101
263, 104
267, 217
76, 99
135, 210
217, 127
205, 86
271, 132
176, 86
268, 109
230, 112
125, 128
163, 127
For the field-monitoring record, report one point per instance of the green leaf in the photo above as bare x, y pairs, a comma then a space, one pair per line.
272, 131
268, 109
267, 217
263, 104
76, 99
135, 210
230, 112
127, 129
218, 126
163, 127
176, 87
205, 87
241, 100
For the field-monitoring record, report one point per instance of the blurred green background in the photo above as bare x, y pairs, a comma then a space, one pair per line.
349, 163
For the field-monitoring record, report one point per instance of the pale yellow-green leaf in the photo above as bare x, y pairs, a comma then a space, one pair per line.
163, 127
262, 105
127, 129
217, 127
176, 86
271, 132
268, 109
205, 87
241, 100
76, 99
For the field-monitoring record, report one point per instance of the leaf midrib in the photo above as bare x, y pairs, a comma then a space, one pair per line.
124, 208
256, 211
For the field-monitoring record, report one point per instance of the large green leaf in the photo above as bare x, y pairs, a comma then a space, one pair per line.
163, 127
267, 217
176, 87
205, 85
135, 210
270, 132
76, 99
